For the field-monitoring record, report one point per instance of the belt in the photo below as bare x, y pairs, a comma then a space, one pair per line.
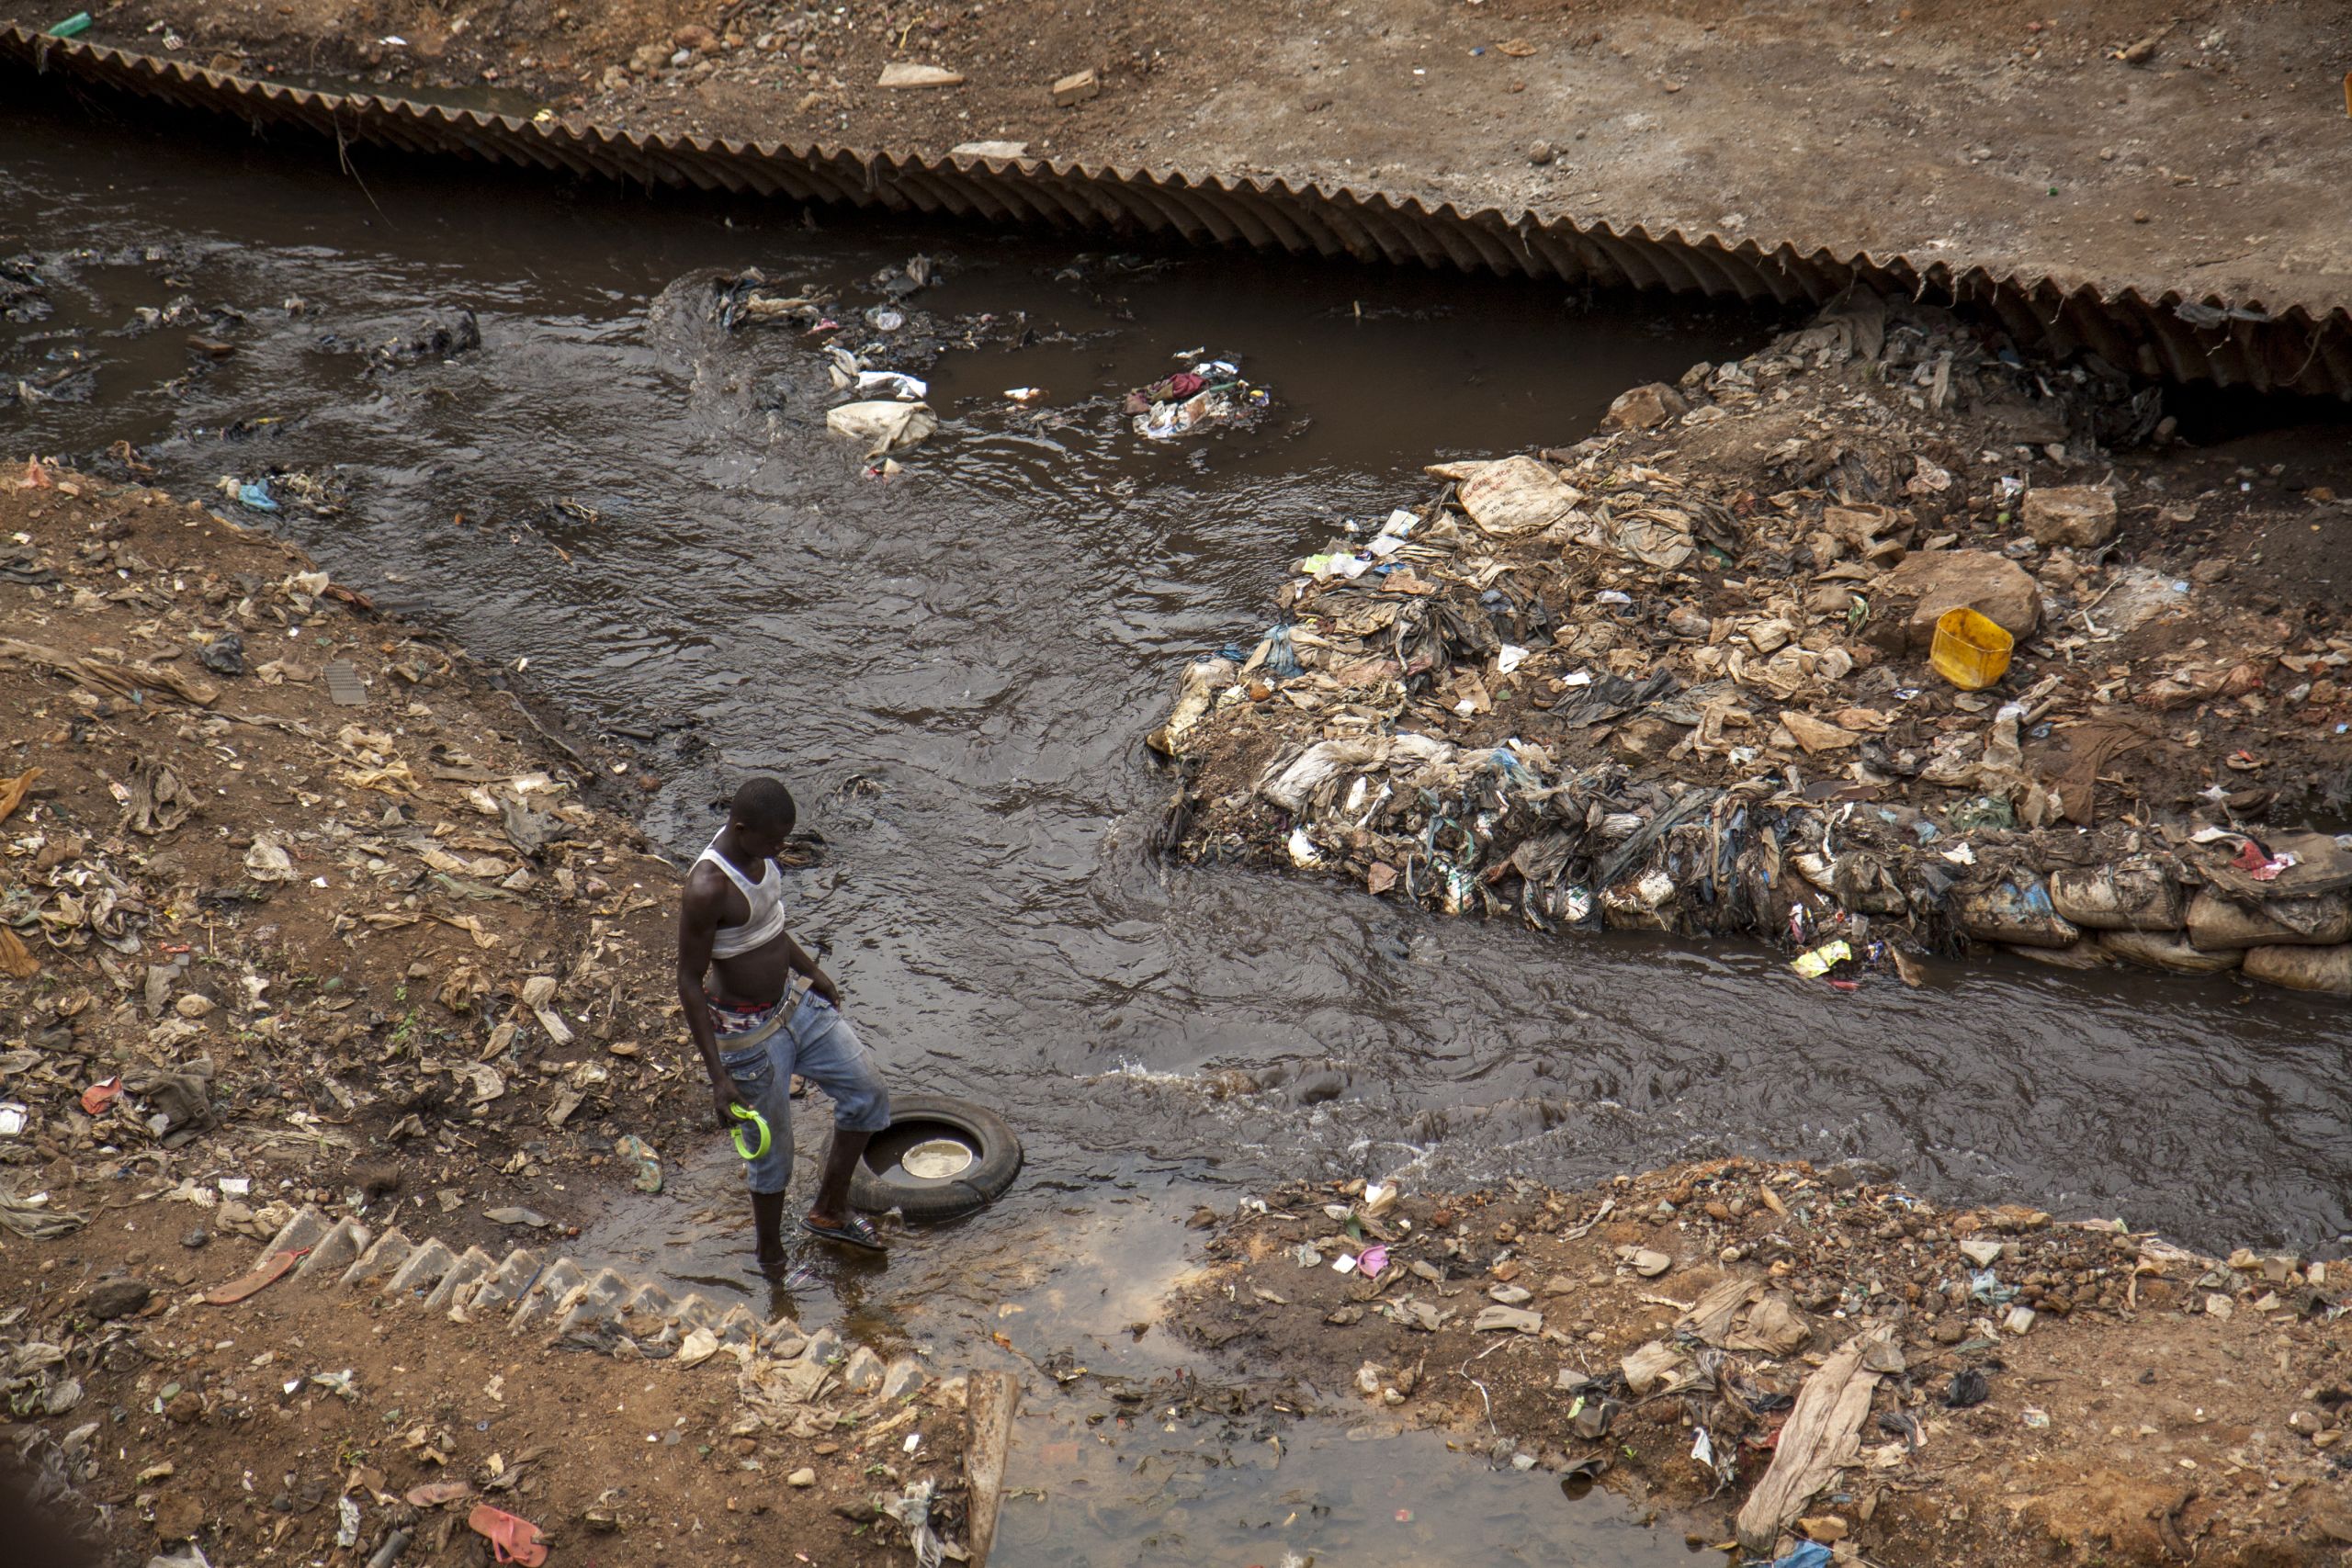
789, 1005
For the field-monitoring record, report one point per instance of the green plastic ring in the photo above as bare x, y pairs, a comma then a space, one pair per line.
743, 1113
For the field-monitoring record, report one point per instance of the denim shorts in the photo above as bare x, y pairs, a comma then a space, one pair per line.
818, 1043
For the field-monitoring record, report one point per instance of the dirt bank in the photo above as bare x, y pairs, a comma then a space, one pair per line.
299, 913
1999, 136
1681, 676
1987, 1386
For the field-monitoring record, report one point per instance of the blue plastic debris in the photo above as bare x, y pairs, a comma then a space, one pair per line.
256, 495
1280, 662
1808, 1554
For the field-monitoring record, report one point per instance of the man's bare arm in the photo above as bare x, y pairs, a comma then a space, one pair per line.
818, 981
699, 914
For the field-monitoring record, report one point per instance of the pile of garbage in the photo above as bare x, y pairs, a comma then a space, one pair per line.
1766, 657
870, 355
1819, 1357
1208, 394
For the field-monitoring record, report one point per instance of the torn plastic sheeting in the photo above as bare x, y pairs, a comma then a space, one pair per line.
895, 384
1822, 959
1613, 696
1808, 1554
1511, 496
883, 426
1326, 759
1629, 853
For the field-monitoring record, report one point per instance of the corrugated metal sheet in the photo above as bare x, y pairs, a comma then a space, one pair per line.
2230, 343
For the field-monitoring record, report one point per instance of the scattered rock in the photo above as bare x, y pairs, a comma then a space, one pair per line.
110, 1299
899, 74
1076, 88
1516, 1319
804, 1477
1644, 408
2082, 516
179, 1516
1908, 601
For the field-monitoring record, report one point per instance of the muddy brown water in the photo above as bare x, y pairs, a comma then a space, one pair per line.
953, 667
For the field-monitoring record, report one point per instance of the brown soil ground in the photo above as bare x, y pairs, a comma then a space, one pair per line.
346, 1024
2157, 1408
1996, 135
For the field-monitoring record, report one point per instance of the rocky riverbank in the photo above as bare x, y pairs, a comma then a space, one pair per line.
1681, 676
312, 941
1769, 1355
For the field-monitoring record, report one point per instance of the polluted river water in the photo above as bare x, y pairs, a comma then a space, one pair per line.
640, 516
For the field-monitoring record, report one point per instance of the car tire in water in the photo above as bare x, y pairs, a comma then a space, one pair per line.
929, 1127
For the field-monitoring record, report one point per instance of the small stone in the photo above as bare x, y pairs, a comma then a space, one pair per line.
904, 1376
186, 1407
865, 1372
1076, 88
194, 1004
110, 1299
1203, 1219
1644, 408
2304, 1423
1982, 1251
1515, 1319
179, 1516
1650, 1264
694, 36
1511, 1295
2080, 516
899, 74
803, 1477
1541, 153
1825, 1528
196, 1238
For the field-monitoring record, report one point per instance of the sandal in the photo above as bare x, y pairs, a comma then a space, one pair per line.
510, 1540
856, 1231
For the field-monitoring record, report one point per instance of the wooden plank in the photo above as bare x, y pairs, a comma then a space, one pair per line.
989, 1403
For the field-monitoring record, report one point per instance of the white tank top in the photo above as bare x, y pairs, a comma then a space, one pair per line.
765, 897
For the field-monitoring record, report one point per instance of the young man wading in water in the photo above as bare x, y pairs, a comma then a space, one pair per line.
754, 1034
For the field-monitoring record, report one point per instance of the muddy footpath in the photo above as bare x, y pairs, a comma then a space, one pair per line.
328, 969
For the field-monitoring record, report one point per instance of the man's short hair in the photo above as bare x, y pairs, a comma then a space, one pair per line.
765, 806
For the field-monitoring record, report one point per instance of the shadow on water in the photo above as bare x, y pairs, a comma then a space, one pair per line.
952, 667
